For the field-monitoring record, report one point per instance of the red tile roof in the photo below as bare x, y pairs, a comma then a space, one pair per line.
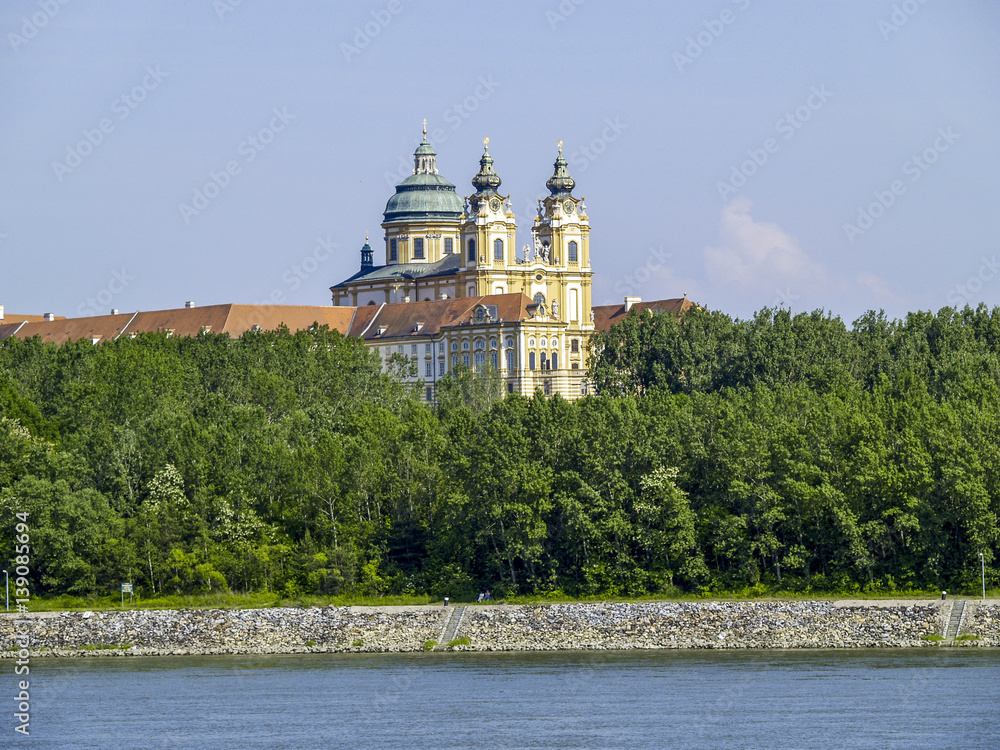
606, 316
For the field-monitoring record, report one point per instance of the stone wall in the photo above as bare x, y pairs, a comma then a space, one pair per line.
643, 625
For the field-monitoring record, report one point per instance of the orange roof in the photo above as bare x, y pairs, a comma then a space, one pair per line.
606, 316
404, 319
232, 319
15, 318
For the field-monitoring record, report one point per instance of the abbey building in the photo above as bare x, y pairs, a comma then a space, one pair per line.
526, 313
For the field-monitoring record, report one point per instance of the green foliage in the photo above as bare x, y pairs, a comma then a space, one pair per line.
429, 645
783, 455
460, 641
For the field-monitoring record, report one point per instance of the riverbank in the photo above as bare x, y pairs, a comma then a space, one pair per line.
499, 627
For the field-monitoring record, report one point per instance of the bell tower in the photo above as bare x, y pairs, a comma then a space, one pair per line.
488, 232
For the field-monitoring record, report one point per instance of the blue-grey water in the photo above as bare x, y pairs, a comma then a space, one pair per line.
929, 698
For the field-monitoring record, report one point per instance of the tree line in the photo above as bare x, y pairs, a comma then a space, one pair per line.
784, 451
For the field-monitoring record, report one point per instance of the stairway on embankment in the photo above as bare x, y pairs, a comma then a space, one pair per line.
451, 628
955, 620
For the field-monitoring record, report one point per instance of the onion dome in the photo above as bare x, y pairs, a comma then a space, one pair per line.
486, 180
367, 256
424, 195
560, 184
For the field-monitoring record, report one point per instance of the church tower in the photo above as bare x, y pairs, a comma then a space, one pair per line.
488, 232
561, 252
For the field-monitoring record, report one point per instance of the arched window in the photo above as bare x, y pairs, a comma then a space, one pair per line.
498, 249
494, 361
539, 298
510, 360
472, 249
573, 252
480, 361
555, 361
531, 361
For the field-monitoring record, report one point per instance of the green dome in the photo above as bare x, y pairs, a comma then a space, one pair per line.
424, 194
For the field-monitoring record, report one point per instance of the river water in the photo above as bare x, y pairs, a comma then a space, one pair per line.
923, 698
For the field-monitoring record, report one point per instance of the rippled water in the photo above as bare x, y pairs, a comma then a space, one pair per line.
927, 698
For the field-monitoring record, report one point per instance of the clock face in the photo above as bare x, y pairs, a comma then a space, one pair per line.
495, 204
569, 207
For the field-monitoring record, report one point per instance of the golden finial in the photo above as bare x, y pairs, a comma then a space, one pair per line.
425, 127
366, 236
560, 147
486, 143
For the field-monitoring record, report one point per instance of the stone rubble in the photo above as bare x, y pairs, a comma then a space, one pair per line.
983, 621
610, 625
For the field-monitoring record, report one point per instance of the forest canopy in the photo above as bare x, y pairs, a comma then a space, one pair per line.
785, 451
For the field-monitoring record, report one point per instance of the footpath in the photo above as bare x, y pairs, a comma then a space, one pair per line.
500, 627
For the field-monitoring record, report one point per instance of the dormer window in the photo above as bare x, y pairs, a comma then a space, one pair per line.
381, 330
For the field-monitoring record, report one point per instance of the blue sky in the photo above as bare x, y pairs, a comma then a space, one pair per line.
837, 155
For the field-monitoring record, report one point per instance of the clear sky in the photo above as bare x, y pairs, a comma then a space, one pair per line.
838, 155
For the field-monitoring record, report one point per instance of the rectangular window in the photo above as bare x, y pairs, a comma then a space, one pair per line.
430, 394
427, 368
393, 250
576, 366
510, 387
441, 346
465, 360
472, 250
427, 348
548, 387
498, 249
555, 360
418, 247
448, 246
531, 361
413, 350
574, 346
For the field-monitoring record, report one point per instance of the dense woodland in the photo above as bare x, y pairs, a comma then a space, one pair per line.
786, 451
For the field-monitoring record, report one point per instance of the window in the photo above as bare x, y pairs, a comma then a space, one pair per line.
472, 249
494, 361
480, 361
510, 387
465, 346
539, 298
427, 368
393, 250
493, 343
413, 350
454, 346
454, 361
555, 343
548, 387
399, 349
575, 366
510, 342
427, 348
418, 247
430, 394
441, 347
531, 361
583, 388
480, 344
574, 346
498, 249
449, 246
555, 361
573, 253
465, 360
510, 360
543, 361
